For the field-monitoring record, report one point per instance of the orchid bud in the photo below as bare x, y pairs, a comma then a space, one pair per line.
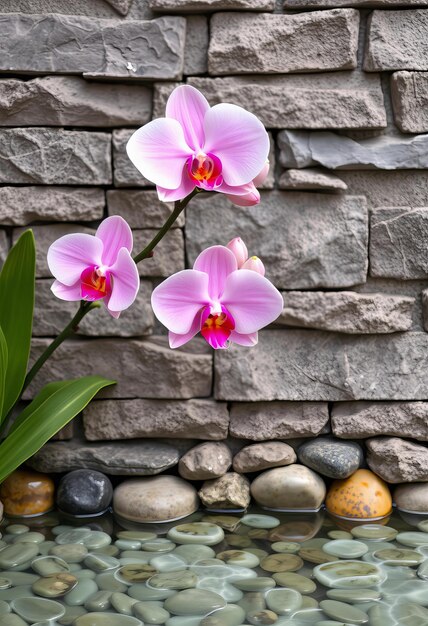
262, 175
239, 249
247, 199
255, 265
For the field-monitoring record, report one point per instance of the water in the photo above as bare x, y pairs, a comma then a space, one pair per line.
215, 570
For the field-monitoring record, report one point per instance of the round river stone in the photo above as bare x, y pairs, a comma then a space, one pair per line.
345, 548
197, 532
281, 563
374, 532
343, 612
194, 602
155, 499
37, 609
84, 492
54, 585
294, 487
349, 574
330, 457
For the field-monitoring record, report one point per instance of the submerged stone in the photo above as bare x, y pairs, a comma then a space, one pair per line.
349, 574
38, 609
194, 602
197, 532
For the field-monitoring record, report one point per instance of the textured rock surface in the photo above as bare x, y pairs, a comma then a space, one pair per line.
398, 238
212, 5
84, 492
388, 188
425, 309
4, 245
140, 458
397, 460
196, 50
330, 457
266, 44
357, 420
45, 236
168, 257
327, 4
277, 420
347, 311
293, 487
311, 178
410, 101
141, 209
22, 205
333, 252
396, 40
290, 365
261, 456
155, 499
413, 498
305, 149
51, 315
330, 100
72, 101
121, 6
205, 461
231, 491
107, 48
125, 174
186, 373
54, 156
129, 419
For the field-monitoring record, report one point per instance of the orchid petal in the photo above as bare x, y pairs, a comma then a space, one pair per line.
159, 151
217, 262
126, 282
115, 234
178, 299
238, 139
252, 300
172, 195
262, 175
175, 340
249, 340
188, 106
72, 293
241, 195
71, 254
248, 199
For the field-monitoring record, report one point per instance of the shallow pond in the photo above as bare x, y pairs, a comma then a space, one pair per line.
211, 569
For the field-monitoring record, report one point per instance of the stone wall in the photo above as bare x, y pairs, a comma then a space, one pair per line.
342, 226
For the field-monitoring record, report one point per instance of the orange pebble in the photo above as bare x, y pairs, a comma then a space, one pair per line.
26, 493
360, 496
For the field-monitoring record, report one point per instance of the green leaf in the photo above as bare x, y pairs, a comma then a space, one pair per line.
3, 368
17, 285
52, 409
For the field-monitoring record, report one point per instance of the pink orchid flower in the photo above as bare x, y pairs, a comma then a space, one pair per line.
220, 148
96, 267
225, 304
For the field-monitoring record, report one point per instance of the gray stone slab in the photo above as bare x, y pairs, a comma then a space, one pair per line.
211, 5
358, 420
130, 419
313, 365
125, 174
330, 4
388, 188
311, 178
347, 312
145, 368
305, 240
72, 101
45, 236
264, 421
23, 205
51, 315
54, 156
398, 242
94, 8
330, 100
142, 458
397, 40
4, 246
241, 43
168, 256
121, 6
410, 101
141, 209
388, 152
397, 460
80, 45
196, 50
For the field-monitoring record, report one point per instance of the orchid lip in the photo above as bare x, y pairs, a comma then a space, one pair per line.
205, 170
95, 283
216, 326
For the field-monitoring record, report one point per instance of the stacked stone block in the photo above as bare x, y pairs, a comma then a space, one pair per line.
342, 226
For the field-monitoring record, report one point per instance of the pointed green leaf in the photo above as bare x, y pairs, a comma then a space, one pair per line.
17, 284
52, 409
3, 368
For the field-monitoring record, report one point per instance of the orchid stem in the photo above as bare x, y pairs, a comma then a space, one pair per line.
178, 208
71, 327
